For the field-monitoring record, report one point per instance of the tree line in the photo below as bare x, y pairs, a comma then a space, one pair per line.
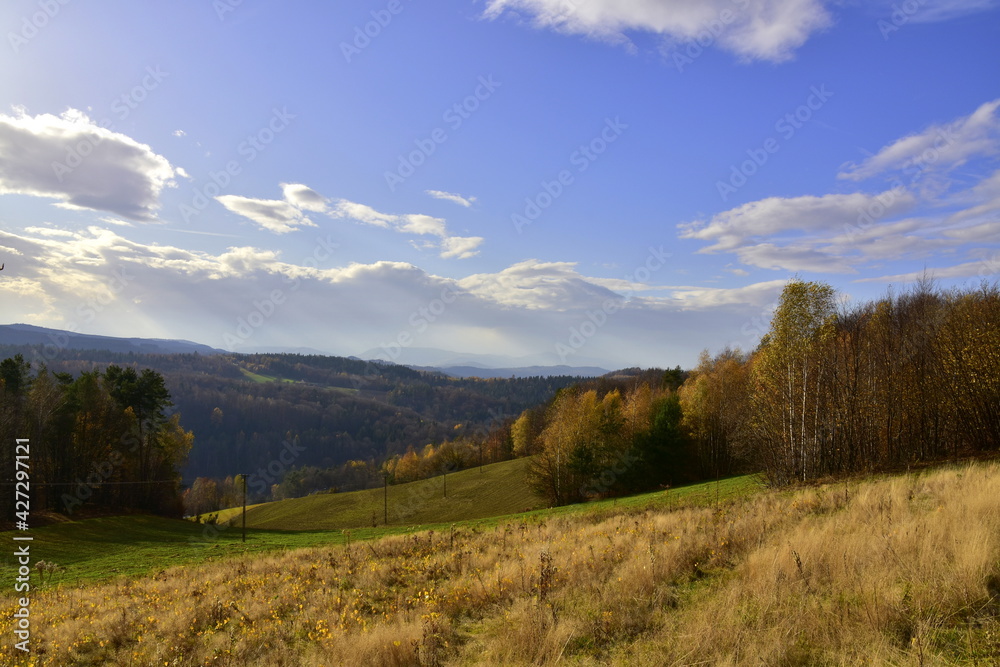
106, 439
834, 389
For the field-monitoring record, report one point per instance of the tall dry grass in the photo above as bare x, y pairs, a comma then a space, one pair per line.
901, 571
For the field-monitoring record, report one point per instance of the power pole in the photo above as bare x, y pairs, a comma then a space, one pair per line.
244, 507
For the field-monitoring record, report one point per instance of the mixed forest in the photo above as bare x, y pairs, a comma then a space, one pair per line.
102, 438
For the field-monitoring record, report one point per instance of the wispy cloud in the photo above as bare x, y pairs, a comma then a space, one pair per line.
937, 148
754, 221
452, 197
282, 216
274, 215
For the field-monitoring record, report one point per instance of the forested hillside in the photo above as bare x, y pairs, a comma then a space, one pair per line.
265, 414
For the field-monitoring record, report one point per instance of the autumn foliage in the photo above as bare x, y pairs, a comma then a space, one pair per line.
835, 389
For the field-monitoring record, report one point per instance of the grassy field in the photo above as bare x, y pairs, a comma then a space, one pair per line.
134, 546
260, 378
901, 570
499, 489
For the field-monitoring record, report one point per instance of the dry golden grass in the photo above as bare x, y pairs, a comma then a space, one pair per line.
902, 571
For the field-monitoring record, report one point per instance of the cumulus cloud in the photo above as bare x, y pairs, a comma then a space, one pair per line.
452, 197
273, 215
938, 148
72, 159
765, 30
416, 223
460, 247
538, 285
99, 281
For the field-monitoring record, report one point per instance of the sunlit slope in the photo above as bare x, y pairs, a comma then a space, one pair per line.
496, 490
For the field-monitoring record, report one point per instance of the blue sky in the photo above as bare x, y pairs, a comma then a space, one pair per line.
558, 181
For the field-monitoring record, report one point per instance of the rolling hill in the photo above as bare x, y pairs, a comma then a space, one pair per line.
27, 334
497, 489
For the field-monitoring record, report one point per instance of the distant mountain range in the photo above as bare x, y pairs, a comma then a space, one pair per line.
460, 365
27, 334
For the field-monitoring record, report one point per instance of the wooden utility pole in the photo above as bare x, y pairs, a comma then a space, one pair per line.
244, 507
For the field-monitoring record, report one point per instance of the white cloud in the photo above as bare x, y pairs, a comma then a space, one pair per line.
416, 223
978, 269
452, 197
759, 30
179, 133
538, 285
98, 281
745, 225
987, 232
461, 247
273, 215
410, 223
756, 294
937, 148
981, 201
304, 197
343, 208
286, 215
793, 257
932, 11
841, 233
72, 159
